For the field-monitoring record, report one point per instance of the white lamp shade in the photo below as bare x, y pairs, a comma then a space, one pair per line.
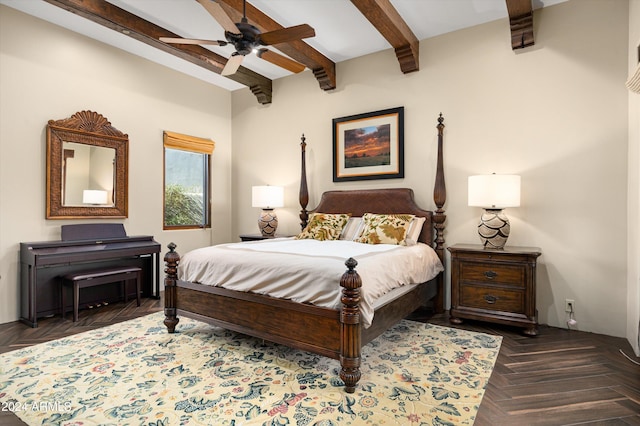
494, 191
267, 197
94, 196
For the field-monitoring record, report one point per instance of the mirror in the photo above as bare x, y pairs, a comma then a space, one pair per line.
87, 175
87, 167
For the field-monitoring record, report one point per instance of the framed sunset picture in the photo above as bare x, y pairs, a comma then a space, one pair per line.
369, 146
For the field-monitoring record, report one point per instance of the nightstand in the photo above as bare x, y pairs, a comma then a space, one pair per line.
256, 237
494, 285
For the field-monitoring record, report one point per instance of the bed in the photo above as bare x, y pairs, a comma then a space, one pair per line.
336, 332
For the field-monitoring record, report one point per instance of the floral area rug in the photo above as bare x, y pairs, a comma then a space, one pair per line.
135, 373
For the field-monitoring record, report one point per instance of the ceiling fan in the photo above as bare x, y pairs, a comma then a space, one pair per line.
247, 38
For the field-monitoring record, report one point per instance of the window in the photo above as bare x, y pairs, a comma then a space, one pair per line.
186, 181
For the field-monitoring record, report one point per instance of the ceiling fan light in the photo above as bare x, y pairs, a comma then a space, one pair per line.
247, 38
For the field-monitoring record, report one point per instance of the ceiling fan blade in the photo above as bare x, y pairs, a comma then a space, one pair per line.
280, 60
287, 34
178, 40
232, 65
218, 13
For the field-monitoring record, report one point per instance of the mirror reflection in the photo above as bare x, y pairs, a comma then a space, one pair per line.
88, 174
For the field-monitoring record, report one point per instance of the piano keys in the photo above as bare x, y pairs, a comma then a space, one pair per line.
83, 247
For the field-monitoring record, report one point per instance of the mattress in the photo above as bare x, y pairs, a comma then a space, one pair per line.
309, 271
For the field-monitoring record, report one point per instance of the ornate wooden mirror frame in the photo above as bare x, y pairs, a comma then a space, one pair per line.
92, 129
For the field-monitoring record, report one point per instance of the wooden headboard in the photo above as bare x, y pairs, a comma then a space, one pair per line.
361, 201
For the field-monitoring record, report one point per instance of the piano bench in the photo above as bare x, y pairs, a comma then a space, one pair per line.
84, 279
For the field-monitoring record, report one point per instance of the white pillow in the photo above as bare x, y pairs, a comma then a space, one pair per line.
352, 229
415, 228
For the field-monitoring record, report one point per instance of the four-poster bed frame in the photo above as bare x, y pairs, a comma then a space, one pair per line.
333, 333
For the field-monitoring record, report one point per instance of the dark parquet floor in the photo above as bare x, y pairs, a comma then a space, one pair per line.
560, 377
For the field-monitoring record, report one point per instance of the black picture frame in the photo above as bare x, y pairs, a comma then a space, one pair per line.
369, 146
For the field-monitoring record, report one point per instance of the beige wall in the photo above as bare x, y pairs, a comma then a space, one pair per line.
556, 113
47, 72
633, 220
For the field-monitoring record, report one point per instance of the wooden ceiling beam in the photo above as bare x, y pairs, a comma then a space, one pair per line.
117, 19
323, 68
521, 23
386, 19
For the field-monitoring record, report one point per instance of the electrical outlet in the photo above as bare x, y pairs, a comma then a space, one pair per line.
569, 305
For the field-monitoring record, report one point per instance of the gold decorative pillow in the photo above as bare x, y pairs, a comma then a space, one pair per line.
385, 228
324, 226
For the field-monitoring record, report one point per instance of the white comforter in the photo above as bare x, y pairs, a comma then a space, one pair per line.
309, 271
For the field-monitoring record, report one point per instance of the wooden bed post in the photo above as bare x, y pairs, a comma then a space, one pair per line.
440, 197
350, 331
304, 192
171, 260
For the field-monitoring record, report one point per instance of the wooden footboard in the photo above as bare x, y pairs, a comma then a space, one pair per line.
327, 332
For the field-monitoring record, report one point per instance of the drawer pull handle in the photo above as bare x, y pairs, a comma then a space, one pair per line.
490, 299
490, 275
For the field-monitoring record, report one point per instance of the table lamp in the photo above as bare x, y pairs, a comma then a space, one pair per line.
494, 193
267, 198
94, 197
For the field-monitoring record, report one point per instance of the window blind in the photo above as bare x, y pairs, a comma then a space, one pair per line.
188, 143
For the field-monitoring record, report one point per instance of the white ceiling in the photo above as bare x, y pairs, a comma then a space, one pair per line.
342, 32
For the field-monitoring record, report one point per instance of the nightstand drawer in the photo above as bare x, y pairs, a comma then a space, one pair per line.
512, 275
495, 299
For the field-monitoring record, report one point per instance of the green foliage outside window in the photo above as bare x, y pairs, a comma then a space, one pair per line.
183, 206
